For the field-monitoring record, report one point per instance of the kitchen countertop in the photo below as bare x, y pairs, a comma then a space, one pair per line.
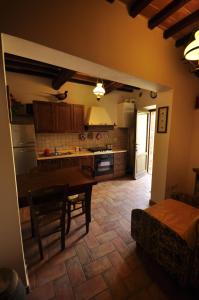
78, 154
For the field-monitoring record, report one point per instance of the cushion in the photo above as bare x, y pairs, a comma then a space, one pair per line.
180, 217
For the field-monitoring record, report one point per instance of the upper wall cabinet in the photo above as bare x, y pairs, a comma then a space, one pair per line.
58, 117
78, 118
43, 116
63, 117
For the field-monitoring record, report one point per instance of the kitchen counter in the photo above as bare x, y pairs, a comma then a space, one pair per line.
78, 154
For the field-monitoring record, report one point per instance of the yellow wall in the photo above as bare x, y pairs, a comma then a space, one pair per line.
194, 155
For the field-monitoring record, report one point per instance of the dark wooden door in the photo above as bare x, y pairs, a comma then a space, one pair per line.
63, 117
78, 118
43, 116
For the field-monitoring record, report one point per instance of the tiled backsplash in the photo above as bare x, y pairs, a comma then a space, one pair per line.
117, 137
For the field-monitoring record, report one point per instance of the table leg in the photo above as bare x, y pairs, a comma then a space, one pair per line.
88, 207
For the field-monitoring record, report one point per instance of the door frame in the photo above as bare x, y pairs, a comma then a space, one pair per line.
149, 125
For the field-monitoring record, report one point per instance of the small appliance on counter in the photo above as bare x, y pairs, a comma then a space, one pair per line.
23, 138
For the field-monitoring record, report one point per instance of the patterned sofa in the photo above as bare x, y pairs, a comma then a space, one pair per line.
169, 232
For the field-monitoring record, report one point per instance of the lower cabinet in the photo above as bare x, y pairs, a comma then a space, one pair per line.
120, 164
86, 163
82, 162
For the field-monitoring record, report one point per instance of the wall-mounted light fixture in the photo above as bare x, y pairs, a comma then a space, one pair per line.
99, 90
191, 52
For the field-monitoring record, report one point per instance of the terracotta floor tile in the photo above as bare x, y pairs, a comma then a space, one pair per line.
116, 285
90, 288
139, 281
122, 248
91, 240
95, 228
43, 292
63, 289
75, 272
107, 236
96, 267
102, 250
106, 295
62, 256
119, 264
83, 253
49, 272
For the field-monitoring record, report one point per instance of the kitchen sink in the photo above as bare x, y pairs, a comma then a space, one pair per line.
61, 153
57, 154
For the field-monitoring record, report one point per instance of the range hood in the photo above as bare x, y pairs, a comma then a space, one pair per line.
98, 119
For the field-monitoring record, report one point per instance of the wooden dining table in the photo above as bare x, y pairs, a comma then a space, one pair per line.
76, 180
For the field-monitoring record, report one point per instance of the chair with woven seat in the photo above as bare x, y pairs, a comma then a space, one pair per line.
47, 208
74, 203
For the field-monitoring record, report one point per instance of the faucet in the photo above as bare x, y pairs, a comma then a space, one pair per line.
55, 151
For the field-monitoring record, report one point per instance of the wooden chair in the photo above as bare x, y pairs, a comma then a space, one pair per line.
73, 203
48, 206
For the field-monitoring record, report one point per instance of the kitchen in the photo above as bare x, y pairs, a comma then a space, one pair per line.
69, 132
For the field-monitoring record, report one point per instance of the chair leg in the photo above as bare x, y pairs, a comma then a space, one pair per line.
83, 207
63, 236
39, 241
40, 248
68, 217
87, 218
32, 225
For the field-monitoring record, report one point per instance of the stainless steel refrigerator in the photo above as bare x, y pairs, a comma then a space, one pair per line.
23, 138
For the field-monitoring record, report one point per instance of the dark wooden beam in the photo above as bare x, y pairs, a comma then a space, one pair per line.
137, 6
112, 86
183, 40
30, 63
39, 73
62, 77
110, 1
190, 19
168, 10
30, 68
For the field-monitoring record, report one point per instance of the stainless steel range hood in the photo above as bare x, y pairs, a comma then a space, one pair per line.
98, 119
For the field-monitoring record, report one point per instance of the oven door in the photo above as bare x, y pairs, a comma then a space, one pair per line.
103, 164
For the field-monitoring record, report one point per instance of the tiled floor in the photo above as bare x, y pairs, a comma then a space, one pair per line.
104, 264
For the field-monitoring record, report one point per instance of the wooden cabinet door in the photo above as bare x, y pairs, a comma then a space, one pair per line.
120, 161
69, 162
63, 117
78, 118
43, 116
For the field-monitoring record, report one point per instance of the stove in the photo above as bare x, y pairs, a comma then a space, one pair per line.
103, 162
102, 149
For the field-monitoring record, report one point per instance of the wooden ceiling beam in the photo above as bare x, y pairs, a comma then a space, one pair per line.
183, 40
190, 19
167, 11
30, 63
62, 77
24, 67
112, 86
110, 1
137, 6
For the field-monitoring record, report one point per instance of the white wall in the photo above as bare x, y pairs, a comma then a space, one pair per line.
10, 232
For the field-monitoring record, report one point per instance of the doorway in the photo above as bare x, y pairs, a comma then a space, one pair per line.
152, 119
144, 142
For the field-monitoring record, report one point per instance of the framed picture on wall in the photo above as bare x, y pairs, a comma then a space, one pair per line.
162, 119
